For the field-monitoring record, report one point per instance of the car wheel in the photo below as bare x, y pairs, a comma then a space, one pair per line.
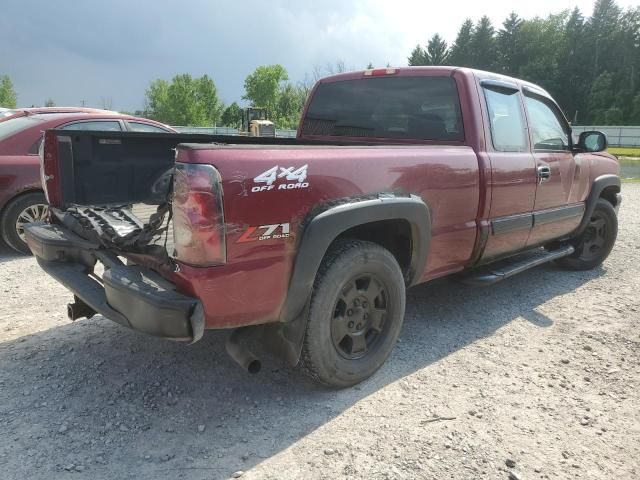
25, 209
596, 241
355, 315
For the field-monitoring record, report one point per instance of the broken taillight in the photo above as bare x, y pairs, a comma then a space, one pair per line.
198, 215
50, 168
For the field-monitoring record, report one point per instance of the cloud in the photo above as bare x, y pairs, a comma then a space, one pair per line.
73, 51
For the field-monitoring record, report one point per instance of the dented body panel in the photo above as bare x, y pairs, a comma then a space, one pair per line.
446, 178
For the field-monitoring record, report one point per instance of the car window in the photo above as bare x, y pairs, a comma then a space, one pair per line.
95, 125
506, 119
15, 125
420, 108
145, 127
548, 130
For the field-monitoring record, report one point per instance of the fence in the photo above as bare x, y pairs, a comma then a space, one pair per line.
617, 136
228, 131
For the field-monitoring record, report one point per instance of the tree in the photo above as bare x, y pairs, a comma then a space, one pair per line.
184, 101
437, 52
634, 116
590, 65
483, 45
508, 44
418, 57
8, 97
262, 87
601, 97
50, 103
573, 68
461, 50
290, 104
604, 33
232, 116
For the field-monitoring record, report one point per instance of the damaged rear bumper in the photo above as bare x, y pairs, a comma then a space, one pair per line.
133, 296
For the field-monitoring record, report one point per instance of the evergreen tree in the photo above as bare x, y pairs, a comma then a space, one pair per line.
461, 50
590, 65
437, 52
417, 57
483, 45
508, 44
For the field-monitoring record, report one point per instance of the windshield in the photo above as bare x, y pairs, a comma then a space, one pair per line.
421, 108
16, 125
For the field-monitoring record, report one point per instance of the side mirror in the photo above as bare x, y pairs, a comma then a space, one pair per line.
592, 141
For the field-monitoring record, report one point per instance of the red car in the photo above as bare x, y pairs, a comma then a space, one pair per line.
21, 197
397, 177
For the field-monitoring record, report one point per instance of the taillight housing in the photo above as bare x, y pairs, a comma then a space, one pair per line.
50, 168
198, 215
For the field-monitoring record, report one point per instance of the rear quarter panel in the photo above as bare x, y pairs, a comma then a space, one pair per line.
18, 174
252, 286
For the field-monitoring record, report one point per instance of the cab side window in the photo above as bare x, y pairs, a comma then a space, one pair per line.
95, 125
508, 130
549, 131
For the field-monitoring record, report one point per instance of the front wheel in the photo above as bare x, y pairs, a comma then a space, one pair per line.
595, 243
355, 315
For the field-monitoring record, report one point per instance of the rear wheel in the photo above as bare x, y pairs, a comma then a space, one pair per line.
31, 207
356, 314
595, 243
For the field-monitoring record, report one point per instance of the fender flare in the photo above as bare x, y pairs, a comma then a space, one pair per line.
597, 187
320, 231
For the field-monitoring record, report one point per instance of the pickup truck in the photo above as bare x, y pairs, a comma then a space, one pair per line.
396, 177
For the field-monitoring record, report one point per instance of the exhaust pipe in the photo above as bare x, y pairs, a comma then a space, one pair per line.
237, 349
79, 309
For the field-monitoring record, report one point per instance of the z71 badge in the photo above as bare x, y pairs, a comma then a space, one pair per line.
293, 178
265, 232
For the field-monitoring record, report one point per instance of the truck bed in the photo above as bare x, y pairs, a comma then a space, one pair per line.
112, 168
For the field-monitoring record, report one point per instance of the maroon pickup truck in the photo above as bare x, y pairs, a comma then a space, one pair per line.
396, 177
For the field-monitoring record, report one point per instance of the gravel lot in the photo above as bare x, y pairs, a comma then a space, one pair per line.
537, 377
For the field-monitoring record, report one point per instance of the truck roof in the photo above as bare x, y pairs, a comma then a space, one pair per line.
427, 71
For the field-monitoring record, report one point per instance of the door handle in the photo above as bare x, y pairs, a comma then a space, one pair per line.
544, 173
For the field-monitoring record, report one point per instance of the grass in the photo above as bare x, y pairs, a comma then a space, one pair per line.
624, 151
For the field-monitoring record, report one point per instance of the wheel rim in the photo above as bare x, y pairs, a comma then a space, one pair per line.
359, 316
33, 213
594, 238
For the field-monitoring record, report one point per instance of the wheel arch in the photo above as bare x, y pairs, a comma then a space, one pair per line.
17, 197
364, 219
604, 186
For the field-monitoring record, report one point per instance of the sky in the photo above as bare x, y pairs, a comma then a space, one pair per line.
106, 53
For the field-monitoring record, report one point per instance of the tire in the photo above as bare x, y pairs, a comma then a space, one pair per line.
355, 315
25, 208
595, 243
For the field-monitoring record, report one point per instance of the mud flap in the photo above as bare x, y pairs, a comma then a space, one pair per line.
285, 339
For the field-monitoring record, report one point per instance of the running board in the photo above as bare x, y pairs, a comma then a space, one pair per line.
502, 269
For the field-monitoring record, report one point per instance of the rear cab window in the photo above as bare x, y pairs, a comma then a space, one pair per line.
412, 108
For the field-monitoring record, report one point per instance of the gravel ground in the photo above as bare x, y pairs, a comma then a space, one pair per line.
537, 377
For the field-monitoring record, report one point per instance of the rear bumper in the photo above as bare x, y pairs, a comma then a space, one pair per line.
132, 296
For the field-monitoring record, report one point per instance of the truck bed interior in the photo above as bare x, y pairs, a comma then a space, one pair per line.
112, 168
